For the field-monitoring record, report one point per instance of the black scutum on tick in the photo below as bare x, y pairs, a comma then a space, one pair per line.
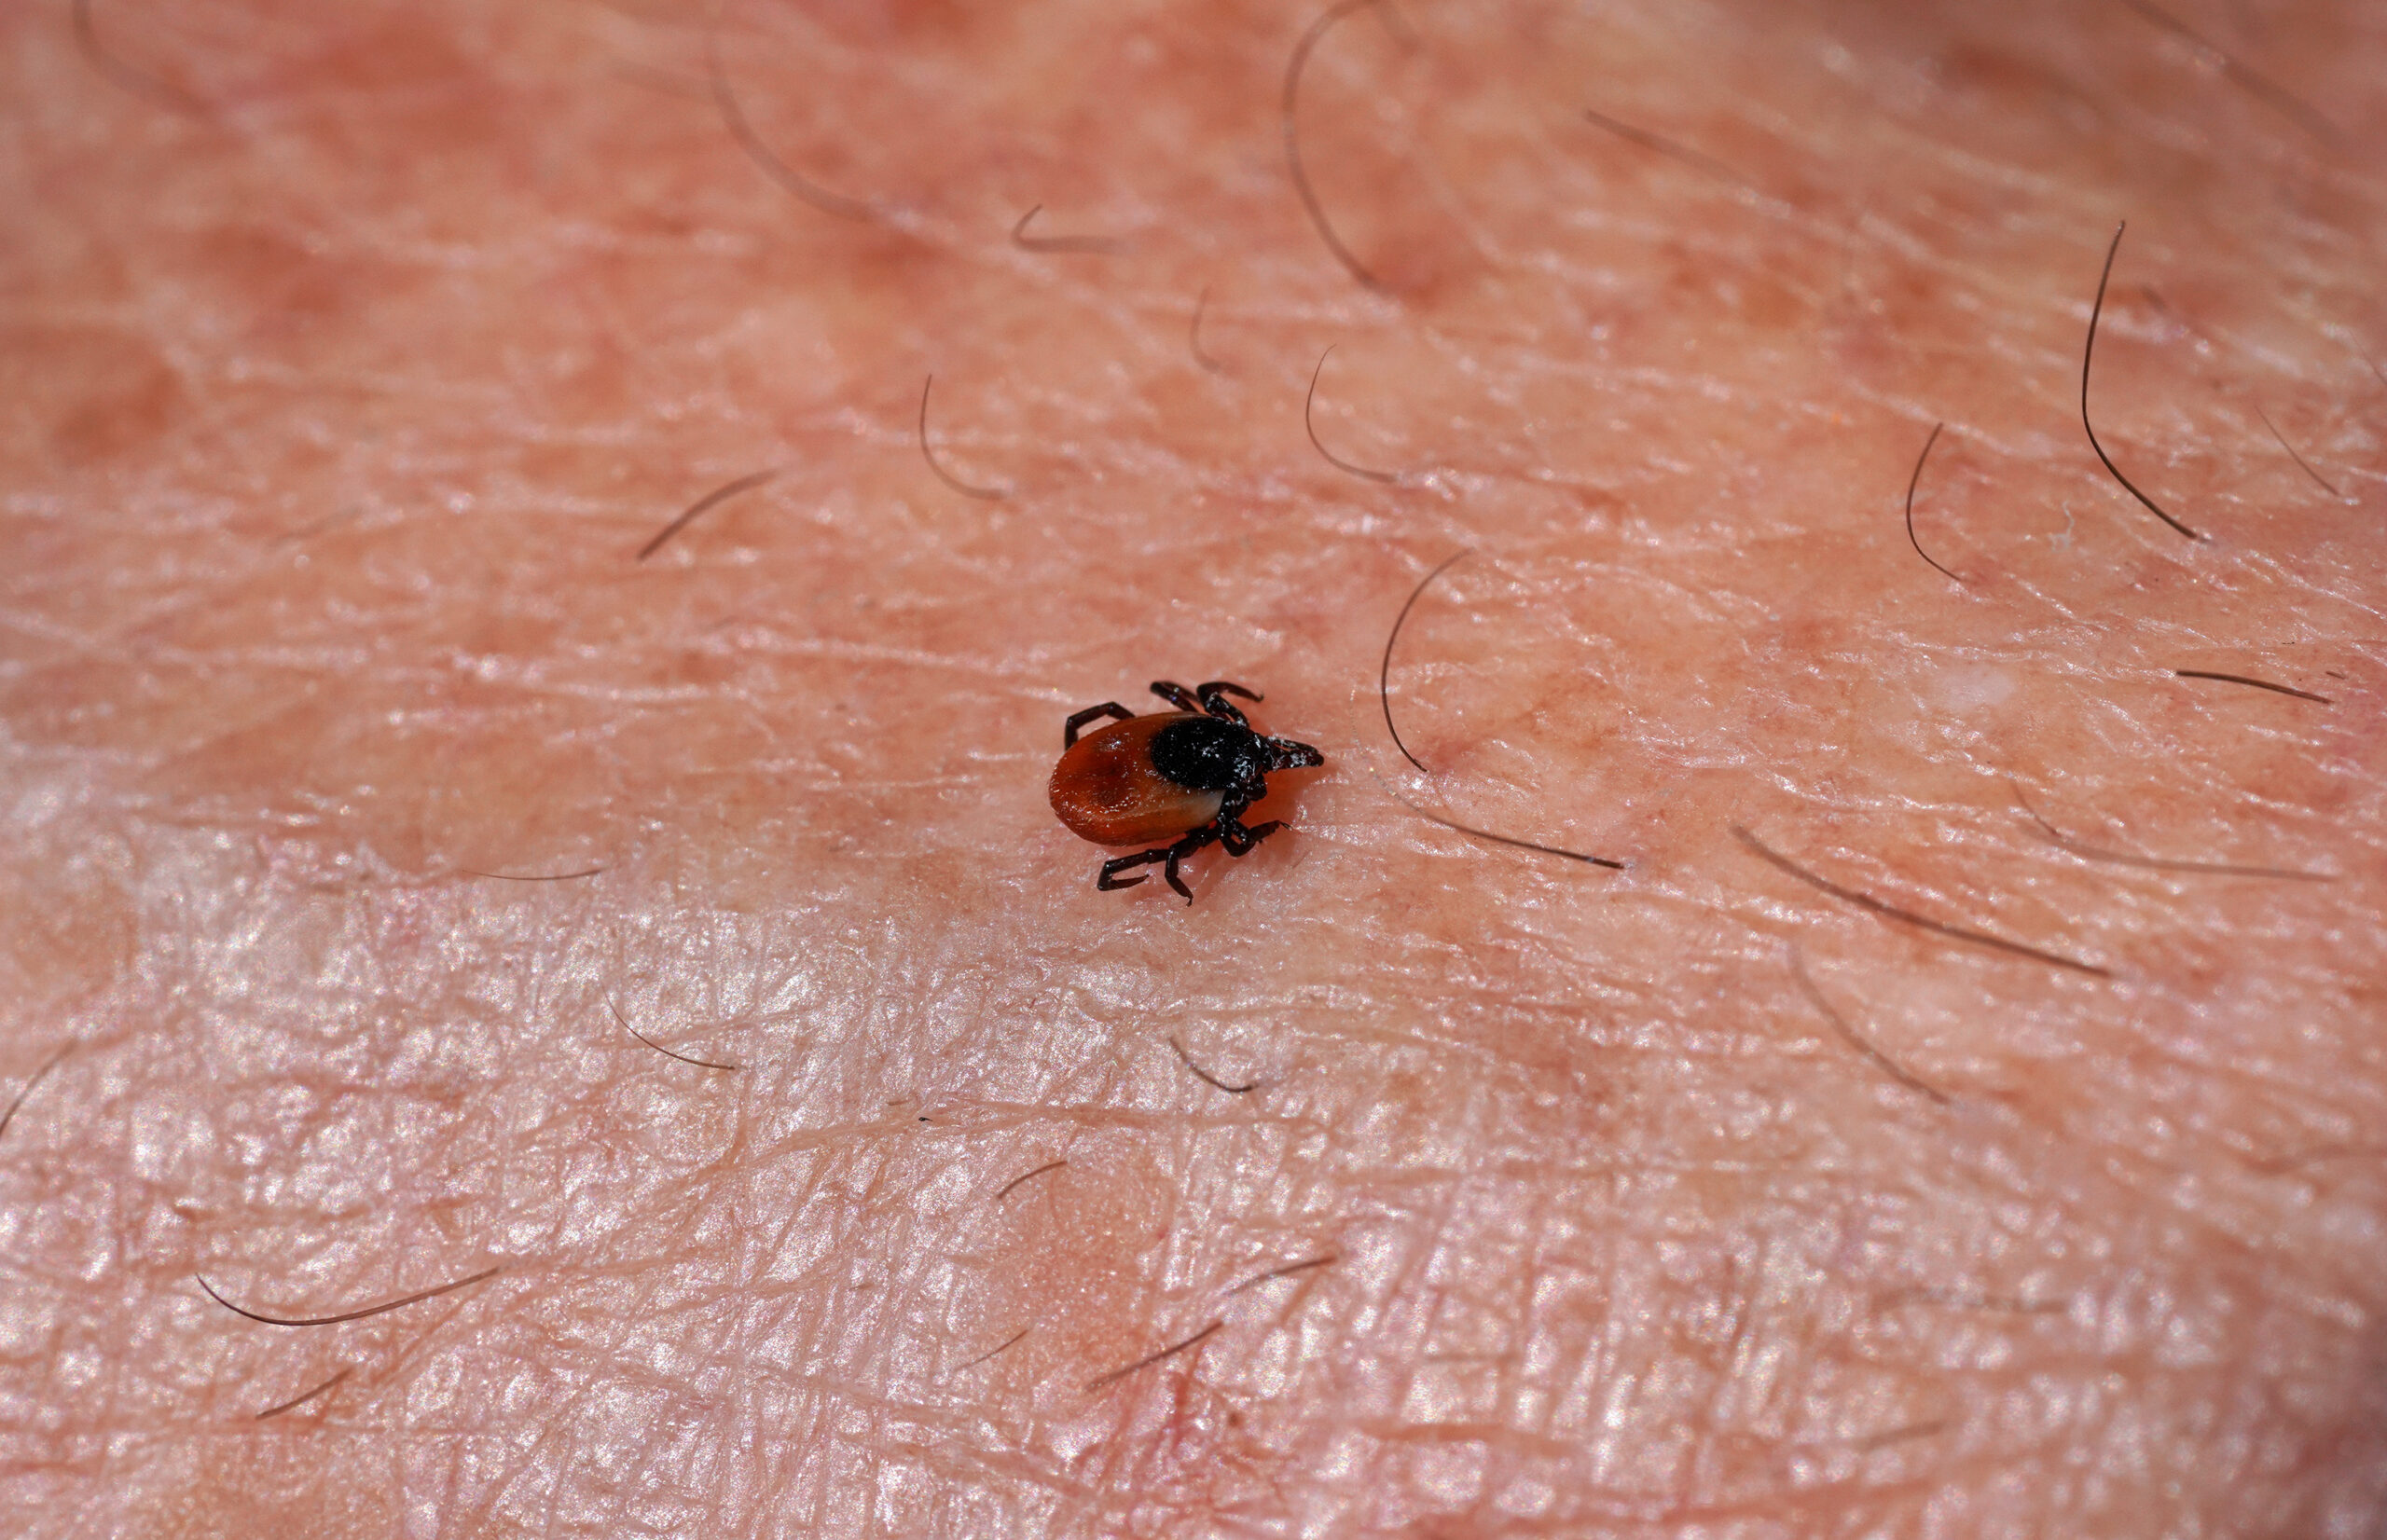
1205, 754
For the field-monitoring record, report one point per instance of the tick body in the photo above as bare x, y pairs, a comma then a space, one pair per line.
1185, 776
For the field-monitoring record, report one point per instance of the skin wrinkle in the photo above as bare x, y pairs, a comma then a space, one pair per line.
1611, 1254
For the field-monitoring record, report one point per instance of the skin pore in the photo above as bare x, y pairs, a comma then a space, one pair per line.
352, 353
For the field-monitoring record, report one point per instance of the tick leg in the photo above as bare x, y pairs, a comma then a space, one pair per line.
1111, 869
1176, 695
1212, 698
1247, 837
1108, 709
1206, 835
1232, 832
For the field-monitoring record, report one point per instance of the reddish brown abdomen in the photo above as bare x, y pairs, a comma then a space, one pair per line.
1106, 789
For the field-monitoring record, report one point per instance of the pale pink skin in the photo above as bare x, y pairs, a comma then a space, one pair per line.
352, 352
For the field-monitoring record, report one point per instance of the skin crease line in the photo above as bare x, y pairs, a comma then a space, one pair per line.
479, 549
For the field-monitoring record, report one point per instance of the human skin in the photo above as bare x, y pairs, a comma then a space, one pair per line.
352, 356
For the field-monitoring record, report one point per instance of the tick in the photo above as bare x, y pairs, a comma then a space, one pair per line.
1184, 776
